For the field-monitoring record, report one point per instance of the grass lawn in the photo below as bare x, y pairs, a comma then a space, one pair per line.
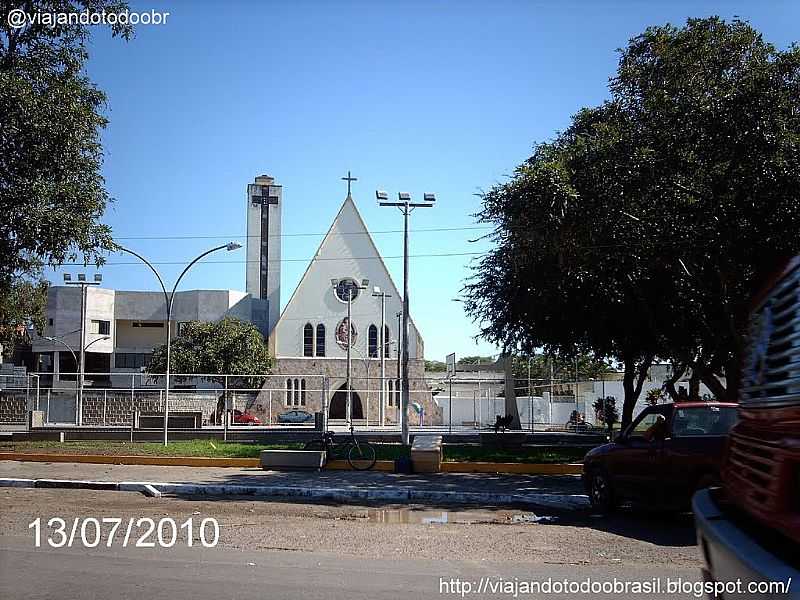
219, 449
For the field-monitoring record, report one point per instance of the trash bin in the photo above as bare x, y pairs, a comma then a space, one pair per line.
318, 421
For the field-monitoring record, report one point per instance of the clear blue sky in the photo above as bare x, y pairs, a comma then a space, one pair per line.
420, 96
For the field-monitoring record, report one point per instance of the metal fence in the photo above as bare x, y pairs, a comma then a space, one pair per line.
112, 400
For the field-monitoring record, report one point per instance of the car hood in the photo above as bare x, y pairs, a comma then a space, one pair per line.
600, 451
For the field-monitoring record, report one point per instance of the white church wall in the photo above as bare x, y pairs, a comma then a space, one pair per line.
347, 251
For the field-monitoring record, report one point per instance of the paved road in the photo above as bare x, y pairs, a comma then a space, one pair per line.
215, 574
294, 550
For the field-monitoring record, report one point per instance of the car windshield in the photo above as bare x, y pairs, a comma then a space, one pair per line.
703, 420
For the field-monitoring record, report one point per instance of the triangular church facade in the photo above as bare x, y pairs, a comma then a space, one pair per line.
309, 340
347, 254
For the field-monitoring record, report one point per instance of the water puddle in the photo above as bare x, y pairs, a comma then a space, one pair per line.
394, 516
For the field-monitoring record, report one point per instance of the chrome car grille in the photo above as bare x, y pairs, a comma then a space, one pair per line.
772, 370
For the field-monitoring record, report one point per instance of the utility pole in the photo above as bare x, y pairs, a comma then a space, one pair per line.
98, 278
406, 206
377, 292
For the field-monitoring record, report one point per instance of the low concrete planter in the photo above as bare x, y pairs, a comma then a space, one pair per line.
426, 453
289, 460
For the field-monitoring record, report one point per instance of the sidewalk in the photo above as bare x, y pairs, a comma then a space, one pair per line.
552, 491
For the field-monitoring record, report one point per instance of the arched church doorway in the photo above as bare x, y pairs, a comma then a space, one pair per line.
338, 407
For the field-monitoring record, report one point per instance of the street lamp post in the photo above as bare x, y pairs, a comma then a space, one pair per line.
168, 302
377, 292
351, 285
406, 206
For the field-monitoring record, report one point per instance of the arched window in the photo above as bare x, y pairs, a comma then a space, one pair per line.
372, 341
391, 393
308, 340
296, 392
397, 395
288, 392
320, 340
387, 337
302, 392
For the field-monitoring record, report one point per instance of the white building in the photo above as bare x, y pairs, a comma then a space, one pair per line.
122, 327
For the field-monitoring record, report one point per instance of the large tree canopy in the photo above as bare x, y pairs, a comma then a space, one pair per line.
639, 231
229, 346
52, 193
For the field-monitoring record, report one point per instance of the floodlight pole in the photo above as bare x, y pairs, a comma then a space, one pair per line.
81, 369
406, 206
349, 406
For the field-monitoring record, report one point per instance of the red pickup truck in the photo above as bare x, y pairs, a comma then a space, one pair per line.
666, 454
749, 530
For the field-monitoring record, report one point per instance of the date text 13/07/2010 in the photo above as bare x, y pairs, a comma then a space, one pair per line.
144, 532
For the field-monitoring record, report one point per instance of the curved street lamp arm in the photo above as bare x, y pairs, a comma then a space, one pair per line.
100, 339
152, 268
189, 266
65, 344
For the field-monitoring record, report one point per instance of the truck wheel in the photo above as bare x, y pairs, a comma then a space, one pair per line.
601, 492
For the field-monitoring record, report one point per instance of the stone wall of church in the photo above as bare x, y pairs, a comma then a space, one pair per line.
307, 389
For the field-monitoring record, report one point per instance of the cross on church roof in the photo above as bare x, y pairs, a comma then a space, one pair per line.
349, 179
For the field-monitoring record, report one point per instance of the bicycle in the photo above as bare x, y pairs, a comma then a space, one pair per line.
360, 454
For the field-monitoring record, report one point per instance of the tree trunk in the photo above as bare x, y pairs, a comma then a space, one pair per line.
678, 369
510, 394
715, 385
632, 382
694, 384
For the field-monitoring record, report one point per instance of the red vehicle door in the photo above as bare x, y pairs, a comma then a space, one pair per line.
636, 465
693, 451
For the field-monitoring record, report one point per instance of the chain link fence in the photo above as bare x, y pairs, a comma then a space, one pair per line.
114, 400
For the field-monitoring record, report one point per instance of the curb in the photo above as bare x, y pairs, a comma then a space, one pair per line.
385, 494
337, 465
105, 459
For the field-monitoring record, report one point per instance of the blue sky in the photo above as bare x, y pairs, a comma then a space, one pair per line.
443, 97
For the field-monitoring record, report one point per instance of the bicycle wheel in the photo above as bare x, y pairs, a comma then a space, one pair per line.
361, 456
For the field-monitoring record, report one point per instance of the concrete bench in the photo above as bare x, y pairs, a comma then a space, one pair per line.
290, 460
177, 420
426, 453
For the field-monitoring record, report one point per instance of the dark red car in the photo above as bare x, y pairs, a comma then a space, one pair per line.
667, 453
245, 418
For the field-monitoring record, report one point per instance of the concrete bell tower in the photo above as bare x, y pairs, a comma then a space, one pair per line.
263, 274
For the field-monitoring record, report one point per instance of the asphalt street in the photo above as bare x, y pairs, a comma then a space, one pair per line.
214, 574
303, 550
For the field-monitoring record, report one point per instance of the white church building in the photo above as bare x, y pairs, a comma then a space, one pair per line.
309, 339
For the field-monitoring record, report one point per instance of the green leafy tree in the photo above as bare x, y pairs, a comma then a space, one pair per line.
24, 300
225, 347
476, 360
435, 366
641, 230
606, 412
52, 193
589, 367
655, 397
229, 346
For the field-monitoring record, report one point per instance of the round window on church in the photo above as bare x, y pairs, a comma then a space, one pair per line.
341, 333
344, 286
